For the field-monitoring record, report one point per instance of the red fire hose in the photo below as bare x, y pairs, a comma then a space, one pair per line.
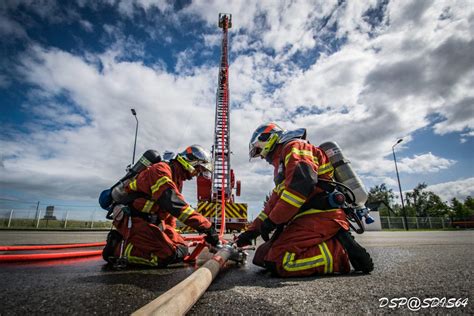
48, 256
63, 255
50, 247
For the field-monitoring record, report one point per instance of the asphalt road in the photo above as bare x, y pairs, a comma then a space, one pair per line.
407, 264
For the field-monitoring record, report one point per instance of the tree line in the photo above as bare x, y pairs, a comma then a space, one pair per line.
421, 203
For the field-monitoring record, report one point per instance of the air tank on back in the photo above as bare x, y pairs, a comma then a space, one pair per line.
344, 173
147, 159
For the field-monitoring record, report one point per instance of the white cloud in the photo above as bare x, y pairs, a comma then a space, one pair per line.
173, 112
86, 25
364, 94
425, 163
211, 40
10, 28
128, 7
280, 26
459, 189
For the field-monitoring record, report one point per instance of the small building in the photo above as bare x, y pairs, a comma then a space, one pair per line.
49, 213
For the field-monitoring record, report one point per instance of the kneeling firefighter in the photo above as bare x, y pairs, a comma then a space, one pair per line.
145, 208
312, 231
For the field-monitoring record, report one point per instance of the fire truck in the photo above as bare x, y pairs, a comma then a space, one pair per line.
216, 195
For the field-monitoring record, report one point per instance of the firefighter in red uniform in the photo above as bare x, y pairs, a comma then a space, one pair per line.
144, 229
311, 237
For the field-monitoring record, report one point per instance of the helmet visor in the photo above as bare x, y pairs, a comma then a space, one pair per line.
200, 155
204, 166
254, 151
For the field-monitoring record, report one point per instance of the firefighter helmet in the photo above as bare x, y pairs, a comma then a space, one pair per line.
264, 140
195, 158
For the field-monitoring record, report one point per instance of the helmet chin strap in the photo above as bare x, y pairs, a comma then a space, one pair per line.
270, 145
186, 165
269, 157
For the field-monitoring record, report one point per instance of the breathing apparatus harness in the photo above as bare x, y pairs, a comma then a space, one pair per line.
339, 195
336, 195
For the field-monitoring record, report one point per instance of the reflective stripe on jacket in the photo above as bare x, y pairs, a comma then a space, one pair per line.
162, 182
298, 165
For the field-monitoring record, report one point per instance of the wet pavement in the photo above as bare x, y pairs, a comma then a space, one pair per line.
407, 264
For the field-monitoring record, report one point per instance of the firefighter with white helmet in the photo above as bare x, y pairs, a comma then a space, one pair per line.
145, 220
311, 234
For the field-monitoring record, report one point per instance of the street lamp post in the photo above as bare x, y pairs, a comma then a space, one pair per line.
136, 132
399, 185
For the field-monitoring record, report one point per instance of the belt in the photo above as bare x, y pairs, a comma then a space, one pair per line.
319, 202
314, 211
135, 213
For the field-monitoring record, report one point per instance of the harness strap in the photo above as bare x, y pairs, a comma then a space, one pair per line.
314, 211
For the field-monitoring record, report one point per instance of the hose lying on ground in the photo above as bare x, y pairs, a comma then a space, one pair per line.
179, 299
49, 247
48, 256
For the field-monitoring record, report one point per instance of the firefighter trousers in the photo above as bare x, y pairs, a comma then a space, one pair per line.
149, 244
307, 246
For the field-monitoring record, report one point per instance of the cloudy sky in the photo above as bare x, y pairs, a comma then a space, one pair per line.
361, 73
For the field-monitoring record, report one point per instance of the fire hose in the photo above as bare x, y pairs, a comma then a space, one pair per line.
50, 247
179, 299
59, 255
48, 256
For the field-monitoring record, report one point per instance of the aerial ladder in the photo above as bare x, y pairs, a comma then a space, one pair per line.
216, 195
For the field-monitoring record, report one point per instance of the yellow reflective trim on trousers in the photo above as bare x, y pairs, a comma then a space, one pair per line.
153, 262
127, 251
290, 264
262, 216
292, 199
323, 169
185, 215
138, 260
159, 183
298, 152
148, 205
314, 211
328, 268
133, 185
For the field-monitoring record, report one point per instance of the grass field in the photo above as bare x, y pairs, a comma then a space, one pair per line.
53, 224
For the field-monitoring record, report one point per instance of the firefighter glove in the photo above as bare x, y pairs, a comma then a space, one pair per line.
266, 228
212, 236
246, 238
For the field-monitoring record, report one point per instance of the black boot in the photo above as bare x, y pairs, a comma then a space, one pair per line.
113, 240
358, 256
179, 255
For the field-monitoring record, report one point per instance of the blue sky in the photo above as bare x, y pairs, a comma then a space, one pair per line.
361, 73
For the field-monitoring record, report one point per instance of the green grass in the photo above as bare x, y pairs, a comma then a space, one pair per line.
54, 224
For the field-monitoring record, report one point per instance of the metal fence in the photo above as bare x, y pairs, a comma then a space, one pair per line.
415, 223
59, 219
87, 218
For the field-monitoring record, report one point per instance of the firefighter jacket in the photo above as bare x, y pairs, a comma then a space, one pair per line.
162, 184
297, 167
